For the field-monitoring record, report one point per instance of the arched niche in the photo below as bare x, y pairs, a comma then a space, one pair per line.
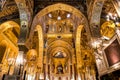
56, 46
25, 11
67, 55
59, 55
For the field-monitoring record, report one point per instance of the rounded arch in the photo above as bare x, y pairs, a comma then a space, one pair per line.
59, 6
9, 24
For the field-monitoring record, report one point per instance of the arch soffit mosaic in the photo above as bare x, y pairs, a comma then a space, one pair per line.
25, 11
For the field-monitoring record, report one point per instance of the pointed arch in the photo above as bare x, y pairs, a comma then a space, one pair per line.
57, 44
58, 6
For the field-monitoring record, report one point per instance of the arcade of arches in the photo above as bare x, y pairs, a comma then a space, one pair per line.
60, 40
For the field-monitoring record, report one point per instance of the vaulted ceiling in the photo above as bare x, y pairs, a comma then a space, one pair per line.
10, 11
